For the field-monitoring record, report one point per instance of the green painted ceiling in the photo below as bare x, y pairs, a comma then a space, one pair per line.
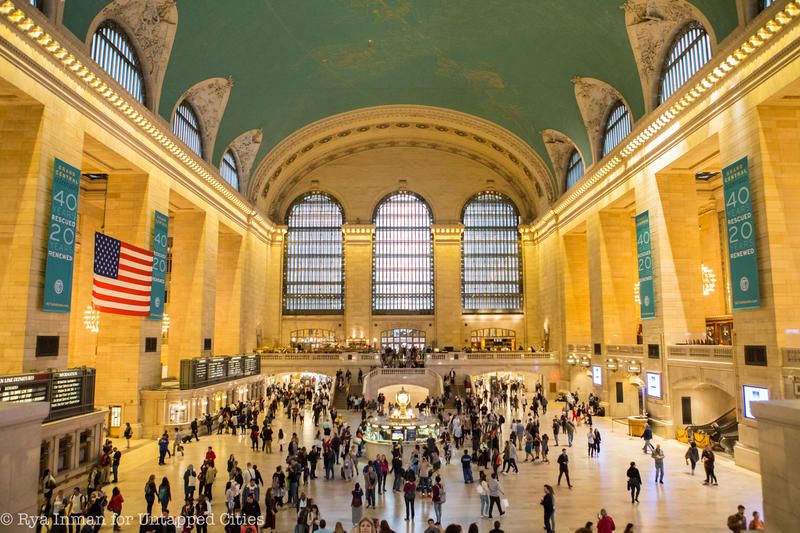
297, 61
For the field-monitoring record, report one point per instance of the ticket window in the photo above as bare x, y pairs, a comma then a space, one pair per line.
64, 446
85, 447
178, 413
493, 340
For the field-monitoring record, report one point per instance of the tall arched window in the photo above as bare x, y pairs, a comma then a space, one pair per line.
690, 50
574, 169
402, 271
229, 169
314, 256
491, 275
112, 50
187, 127
618, 126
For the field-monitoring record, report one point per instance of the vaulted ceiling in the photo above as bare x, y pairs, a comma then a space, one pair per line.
508, 61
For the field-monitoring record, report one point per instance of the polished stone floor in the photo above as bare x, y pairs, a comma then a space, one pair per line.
681, 504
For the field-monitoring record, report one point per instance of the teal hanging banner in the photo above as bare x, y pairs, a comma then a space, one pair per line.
61, 241
644, 253
741, 235
160, 229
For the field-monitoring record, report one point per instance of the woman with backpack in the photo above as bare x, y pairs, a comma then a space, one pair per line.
164, 494
439, 497
356, 503
150, 491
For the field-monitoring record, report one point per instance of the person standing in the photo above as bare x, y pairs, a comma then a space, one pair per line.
634, 482
409, 494
201, 514
370, 482
128, 433
194, 427
164, 494
590, 443
658, 458
549, 504
563, 467
176, 442
708, 459
756, 524
692, 455
163, 448
356, 503
116, 457
495, 491
737, 522
605, 524
438, 499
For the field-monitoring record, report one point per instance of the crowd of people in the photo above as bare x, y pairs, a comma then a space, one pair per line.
489, 426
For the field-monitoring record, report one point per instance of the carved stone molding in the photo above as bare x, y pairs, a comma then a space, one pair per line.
652, 25
151, 25
595, 99
431, 127
208, 98
559, 147
246, 146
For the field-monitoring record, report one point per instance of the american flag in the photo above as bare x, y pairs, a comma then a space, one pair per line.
123, 277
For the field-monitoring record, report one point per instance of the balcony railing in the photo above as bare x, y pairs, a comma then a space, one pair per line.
701, 352
358, 359
625, 349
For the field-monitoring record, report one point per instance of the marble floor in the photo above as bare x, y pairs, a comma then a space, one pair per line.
681, 504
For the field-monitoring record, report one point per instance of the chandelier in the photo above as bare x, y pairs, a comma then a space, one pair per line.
91, 319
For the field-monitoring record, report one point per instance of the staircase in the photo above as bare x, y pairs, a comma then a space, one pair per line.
458, 390
340, 398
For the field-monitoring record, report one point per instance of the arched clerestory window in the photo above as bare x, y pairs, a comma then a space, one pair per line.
314, 256
618, 126
186, 126
229, 168
690, 50
575, 170
402, 271
113, 51
491, 273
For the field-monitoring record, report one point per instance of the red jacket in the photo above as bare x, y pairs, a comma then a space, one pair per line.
606, 525
115, 505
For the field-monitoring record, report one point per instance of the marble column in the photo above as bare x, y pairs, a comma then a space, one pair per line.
447, 283
358, 280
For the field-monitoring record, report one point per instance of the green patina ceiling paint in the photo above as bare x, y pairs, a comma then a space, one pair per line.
297, 61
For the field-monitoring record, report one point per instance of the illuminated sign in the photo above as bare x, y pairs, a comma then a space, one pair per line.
597, 375
654, 384
753, 394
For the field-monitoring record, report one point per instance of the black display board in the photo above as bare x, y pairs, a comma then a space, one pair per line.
197, 373
69, 392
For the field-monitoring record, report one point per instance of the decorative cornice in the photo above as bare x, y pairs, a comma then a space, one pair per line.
410, 122
735, 54
447, 233
39, 32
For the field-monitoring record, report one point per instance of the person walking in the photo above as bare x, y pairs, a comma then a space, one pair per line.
756, 524
647, 435
189, 483
634, 482
708, 459
495, 491
164, 494
590, 443
357, 503
409, 494
483, 492
150, 492
737, 522
438, 497
563, 467
115, 506
549, 504
658, 458
466, 467
605, 524
692, 455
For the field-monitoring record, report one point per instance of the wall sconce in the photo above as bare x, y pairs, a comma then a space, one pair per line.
636, 293
572, 360
165, 324
612, 365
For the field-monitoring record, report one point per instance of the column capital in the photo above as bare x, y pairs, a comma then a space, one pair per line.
447, 232
358, 232
278, 233
528, 233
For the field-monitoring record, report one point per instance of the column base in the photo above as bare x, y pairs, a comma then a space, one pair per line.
747, 457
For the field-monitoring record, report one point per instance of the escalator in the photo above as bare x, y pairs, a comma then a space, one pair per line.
728, 432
